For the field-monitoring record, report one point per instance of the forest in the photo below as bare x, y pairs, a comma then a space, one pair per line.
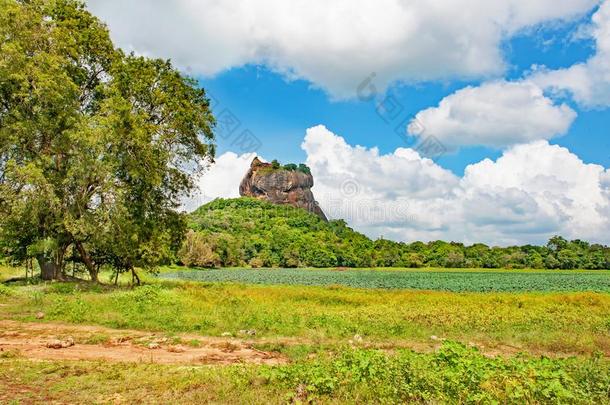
250, 232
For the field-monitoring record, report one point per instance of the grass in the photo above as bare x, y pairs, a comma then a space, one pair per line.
454, 374
433, 279
321, 322
538, 322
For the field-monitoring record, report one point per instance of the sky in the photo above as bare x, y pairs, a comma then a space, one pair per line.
471, 121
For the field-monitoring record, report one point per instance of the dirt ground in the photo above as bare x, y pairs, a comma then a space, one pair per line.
31, 340
76, 342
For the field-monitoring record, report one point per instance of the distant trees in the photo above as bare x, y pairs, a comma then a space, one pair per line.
303, 168
96, 146
260, 234
197, 251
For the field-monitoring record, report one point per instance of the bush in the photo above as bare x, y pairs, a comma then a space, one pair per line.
256, 262
197, 252
5, 291
454, 374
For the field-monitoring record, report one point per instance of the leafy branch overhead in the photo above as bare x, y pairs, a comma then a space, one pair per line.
96, 146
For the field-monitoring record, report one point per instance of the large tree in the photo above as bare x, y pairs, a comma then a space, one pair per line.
96, 147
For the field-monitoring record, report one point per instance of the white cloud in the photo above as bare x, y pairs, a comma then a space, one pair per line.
533, 191
589, 82
332, 44
530, 193
495, 114
499, 113
221, 180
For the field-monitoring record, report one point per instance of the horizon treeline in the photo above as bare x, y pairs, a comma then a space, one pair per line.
250, 232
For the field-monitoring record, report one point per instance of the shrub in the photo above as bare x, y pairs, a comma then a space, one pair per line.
5, 291
197, 252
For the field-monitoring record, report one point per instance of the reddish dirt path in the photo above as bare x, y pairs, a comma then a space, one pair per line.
30, 340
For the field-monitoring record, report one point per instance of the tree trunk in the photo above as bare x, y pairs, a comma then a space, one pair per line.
49, 270
93, 271
134, 277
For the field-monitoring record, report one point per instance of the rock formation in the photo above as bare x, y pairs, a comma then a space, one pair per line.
280, 186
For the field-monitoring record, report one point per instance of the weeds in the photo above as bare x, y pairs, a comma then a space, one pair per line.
559, 322
454, 374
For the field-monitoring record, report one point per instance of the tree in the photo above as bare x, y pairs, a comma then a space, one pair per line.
197, 252
304, 168
557, 243
96, 147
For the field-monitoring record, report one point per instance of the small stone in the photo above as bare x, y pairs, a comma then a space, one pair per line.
176, 349
226, 334
69, 342
358, 338
433, 337
60, 344
154, 346
39, 315
54, 344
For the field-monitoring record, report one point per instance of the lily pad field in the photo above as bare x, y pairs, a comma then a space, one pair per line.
440, 279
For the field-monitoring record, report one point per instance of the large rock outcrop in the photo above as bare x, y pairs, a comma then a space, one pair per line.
280, 186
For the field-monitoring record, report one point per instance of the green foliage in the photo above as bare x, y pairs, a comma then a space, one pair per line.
196, 251
5, 291
349, 376
96, 147
247, 231
454, 374
291, 167
304, 168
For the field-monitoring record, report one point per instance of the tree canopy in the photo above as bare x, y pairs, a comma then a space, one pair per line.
246, 231
96, 146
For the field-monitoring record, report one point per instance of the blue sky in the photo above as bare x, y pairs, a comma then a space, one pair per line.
490, 121
278, 110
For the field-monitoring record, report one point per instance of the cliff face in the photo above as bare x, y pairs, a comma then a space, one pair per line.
280, 186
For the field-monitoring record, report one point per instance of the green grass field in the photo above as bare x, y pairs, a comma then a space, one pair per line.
540, 346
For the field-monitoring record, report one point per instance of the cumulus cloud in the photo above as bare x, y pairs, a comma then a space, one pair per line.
495, 114
588, 82
221, 180
332, 44
530, 193
500, 114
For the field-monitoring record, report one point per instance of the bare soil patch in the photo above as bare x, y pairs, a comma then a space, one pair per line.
38, 341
